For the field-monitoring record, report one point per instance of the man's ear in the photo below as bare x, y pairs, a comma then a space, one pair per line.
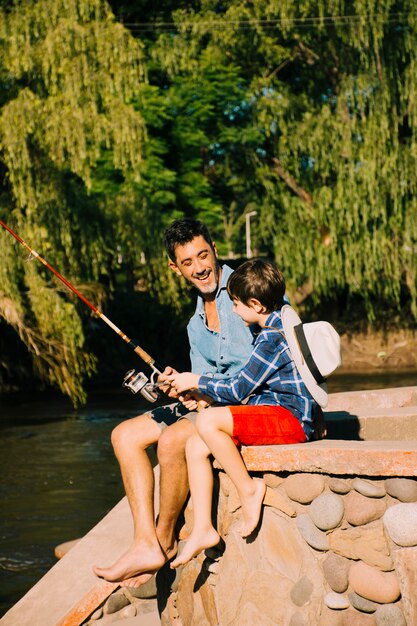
215, 250
174, 268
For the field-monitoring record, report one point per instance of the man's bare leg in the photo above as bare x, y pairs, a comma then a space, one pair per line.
130, 440
173, 481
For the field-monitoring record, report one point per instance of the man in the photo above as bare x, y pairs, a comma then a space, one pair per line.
220, 344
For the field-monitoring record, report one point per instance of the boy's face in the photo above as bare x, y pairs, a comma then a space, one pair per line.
197, 262
247, 312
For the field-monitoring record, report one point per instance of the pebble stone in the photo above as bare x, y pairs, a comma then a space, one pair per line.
400, 522
389, 615
97, 614
145, 591
403, 489
338, 485
273, 480
116, 602
304, 488
370, 489
336, 601
336, 572
326, 510
298, 619
302, 590
360, 510
311, 534
372, 584
128, 611
362, 604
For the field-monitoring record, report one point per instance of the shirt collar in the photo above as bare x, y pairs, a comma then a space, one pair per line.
274, 319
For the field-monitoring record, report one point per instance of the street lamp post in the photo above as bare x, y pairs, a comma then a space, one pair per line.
248, 240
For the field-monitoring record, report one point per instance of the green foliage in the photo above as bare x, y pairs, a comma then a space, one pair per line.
304, 112
326, 136
71, 72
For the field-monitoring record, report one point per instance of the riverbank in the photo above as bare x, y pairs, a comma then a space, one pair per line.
379, 351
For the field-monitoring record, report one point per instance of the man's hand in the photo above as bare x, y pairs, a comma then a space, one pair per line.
164, 378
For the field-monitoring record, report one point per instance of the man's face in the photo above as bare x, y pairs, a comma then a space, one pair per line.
197, 262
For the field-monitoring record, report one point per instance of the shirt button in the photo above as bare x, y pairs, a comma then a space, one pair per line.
221, 358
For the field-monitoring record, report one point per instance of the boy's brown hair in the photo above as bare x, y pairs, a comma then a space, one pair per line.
258, 279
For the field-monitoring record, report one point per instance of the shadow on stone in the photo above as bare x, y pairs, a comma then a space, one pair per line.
254, 534
342, 425
165, 580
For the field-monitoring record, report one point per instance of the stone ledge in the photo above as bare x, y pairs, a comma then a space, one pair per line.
366, 458
361, 401
376, 424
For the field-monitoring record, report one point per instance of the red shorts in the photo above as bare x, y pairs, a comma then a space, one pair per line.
259, 425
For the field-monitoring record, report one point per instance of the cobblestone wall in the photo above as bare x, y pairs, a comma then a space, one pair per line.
344, 553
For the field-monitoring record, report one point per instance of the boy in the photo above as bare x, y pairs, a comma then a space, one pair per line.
278, 407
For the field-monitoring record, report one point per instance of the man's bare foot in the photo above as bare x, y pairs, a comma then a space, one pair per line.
197, 542
251, 509
139, 559
138, 581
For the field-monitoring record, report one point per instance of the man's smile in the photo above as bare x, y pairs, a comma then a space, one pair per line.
203, 277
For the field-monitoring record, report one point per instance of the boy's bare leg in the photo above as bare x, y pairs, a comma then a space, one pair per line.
200, 472
216, 430
173, 490
130, 440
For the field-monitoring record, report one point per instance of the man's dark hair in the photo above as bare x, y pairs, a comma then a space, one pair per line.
183, 231
258, 279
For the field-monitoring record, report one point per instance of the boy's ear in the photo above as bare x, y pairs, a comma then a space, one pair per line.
174, 268
256, 305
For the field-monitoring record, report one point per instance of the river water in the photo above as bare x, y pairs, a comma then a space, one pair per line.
59, 476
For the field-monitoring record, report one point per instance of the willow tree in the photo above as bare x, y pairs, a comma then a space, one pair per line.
69, 73
329, 139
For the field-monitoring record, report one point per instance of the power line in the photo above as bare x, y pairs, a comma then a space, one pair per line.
303, 22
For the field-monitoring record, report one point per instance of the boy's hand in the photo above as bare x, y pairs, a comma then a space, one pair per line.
183, 382
189, 401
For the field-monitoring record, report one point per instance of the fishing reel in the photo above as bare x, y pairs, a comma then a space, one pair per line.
138, 382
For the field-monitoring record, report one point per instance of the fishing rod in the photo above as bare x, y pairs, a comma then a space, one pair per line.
136, 382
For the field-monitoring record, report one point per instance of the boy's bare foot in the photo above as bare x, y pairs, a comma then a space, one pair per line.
197, 542
139, 559
251, 509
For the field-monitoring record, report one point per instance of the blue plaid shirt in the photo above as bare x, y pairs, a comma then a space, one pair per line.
269, 377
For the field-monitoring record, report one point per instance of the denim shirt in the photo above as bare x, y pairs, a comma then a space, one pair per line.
222, 353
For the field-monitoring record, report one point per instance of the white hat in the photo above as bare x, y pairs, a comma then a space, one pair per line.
315, 348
